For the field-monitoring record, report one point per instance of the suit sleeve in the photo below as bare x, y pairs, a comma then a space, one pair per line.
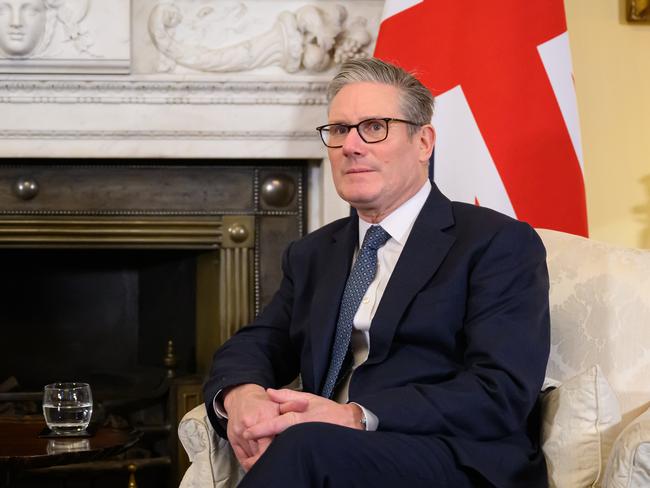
506, 329
259, 353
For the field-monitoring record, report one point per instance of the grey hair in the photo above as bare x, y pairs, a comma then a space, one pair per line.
416, 101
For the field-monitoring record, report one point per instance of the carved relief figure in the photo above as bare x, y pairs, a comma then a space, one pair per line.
27, 27
309, 38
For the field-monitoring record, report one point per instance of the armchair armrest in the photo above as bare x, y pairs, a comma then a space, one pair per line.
213, 462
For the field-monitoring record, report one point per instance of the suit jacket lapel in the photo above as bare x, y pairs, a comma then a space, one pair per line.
327, 297
425, 249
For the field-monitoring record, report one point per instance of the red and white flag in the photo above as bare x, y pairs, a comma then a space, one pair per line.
506, 117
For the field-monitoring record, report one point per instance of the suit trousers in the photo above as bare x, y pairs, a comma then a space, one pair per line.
319, 455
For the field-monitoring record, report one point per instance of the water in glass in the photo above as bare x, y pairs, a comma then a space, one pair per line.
67, 407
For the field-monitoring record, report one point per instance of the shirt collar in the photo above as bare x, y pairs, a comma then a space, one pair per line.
400, 221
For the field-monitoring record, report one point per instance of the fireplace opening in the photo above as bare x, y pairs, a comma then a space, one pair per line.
101, 316
105, 317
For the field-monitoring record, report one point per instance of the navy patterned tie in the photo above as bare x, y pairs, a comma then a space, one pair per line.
362, 274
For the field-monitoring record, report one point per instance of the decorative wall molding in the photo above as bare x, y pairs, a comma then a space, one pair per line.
109, 230
156, 134
139, 213
137, 92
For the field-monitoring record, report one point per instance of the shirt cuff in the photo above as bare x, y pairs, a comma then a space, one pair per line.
219, 409
372, 422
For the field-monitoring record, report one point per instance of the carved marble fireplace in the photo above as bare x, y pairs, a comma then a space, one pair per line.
202, 79
112, 110
207, 81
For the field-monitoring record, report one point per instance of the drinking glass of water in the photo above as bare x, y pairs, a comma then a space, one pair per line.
67, 407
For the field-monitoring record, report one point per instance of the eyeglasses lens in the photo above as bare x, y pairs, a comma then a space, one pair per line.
373, 130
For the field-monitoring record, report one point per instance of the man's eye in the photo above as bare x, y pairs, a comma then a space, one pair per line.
338, 130
376, 126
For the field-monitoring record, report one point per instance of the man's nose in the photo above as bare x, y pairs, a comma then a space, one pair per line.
353, 144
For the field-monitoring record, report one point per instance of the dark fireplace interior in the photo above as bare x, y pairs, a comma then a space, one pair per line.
103, 317
100, 316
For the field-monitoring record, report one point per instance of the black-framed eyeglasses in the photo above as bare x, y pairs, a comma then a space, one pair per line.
371, 131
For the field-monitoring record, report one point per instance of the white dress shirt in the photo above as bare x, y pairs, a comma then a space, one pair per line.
398, 224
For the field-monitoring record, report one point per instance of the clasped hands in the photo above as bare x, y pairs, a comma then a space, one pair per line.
256, 415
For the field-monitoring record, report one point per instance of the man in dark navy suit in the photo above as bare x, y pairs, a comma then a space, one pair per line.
419, 327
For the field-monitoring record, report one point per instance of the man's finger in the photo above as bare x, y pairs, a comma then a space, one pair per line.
242, 444
253, 448
264, 429
247, 463
263, 445
272, 427
294, 406
250, 462
286, 395
240, 454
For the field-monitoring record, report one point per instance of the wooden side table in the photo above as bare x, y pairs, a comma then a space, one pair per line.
21, 449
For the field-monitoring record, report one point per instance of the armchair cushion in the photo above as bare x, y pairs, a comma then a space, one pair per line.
577, 416
629, 463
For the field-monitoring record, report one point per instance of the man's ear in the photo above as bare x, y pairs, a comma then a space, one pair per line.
426, 141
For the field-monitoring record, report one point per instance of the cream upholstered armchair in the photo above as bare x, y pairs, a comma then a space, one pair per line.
596, 430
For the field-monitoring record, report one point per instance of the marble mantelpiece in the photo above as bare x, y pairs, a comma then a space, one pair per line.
163, 108
190, 92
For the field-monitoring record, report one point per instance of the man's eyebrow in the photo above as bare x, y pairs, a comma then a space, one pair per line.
368, 117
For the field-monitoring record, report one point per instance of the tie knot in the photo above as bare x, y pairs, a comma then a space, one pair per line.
375, 237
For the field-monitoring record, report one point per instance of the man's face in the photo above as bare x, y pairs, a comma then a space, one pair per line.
22, 23
377, 178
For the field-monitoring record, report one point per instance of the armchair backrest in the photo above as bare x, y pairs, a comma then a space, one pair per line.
600, 314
